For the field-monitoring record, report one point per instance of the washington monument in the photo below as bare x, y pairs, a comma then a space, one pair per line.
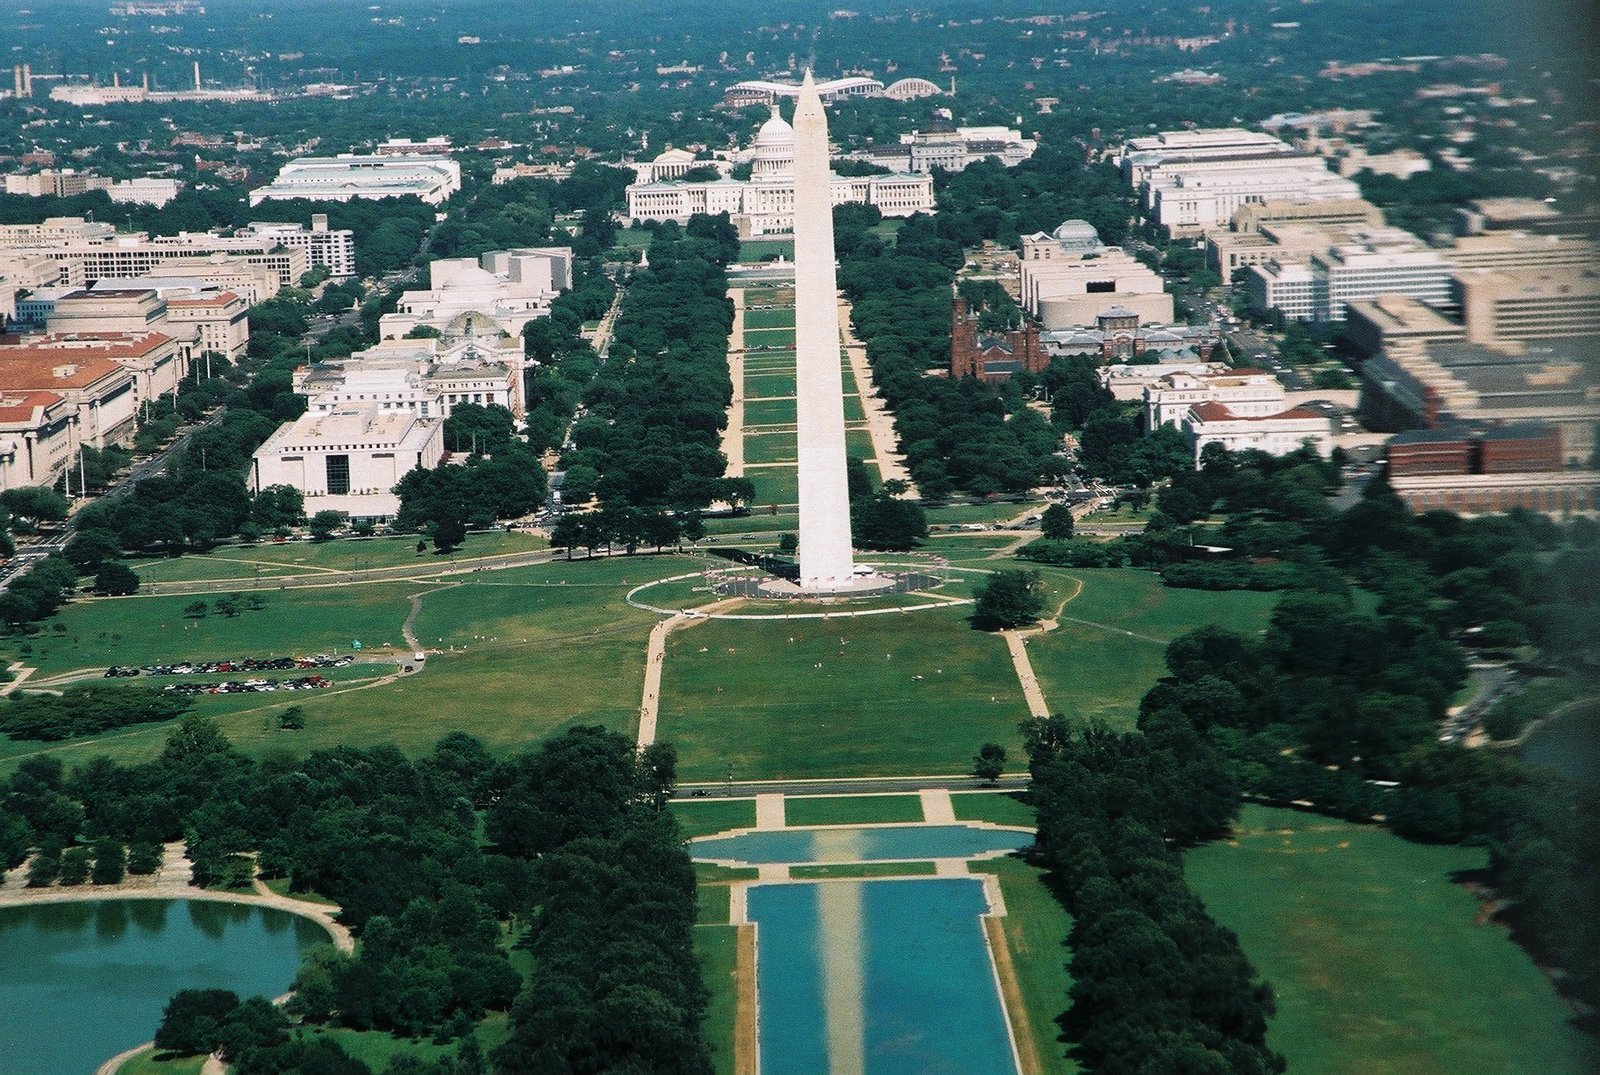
826, 563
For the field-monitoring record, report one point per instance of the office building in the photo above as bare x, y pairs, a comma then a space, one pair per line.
349, 458
1528, 303
333, 249
1247, 393
348, 176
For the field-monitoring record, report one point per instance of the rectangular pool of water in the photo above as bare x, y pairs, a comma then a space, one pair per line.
883, 977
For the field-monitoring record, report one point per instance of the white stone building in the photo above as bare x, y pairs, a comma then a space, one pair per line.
38, 438
425, 377
349, 458
952, 150
1361, 264
146, 190
95, 250
507, 288
764, 203
100, 390
1276, 434
349, 176
1192, 198
1247, 393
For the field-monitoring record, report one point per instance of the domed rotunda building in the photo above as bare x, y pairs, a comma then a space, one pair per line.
764, 203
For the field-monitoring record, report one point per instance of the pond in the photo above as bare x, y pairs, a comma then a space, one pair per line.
82, 981
882, 843
1569, 742
889, 977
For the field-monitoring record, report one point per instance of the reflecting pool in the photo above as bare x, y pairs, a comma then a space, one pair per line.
904, 843
80, 982
884, 977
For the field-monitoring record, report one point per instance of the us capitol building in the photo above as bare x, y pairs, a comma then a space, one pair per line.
764, 203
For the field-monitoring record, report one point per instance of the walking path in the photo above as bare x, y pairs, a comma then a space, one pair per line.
733, 435
655, 660
880, 423
1017, 643
937, 807
770, 813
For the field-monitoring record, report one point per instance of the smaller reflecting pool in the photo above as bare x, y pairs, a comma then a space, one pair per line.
82, 981
881, 843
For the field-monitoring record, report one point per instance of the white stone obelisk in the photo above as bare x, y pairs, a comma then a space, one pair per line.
826, 563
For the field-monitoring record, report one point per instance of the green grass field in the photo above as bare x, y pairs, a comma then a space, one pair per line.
774, 318
775, 485
1035, 926
1111, 644
745, 694
706, 817
768, 383
307, 557
768, 412
1000, 807
714, 947
1379, 961
770, 448
768, 337
148, 630
525, 643
152, 1062
851, 809
766, 249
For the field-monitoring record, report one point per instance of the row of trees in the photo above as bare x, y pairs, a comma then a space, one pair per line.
1332, 697
584, 866
86, 709
1158, 985
656, 410
955, 434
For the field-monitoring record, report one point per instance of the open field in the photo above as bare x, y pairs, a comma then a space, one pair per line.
525, 644
770, 448
768, 412
881, 694
851, 809
775, 485
150, 1062
769, 337
149, 630
1321, 905
346, 554
765, 384
1034, 927
765, 249
1101, 667
774, 318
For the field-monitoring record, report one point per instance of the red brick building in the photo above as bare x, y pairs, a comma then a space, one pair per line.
992, 357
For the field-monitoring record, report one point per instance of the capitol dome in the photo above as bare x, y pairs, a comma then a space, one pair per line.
774, 148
